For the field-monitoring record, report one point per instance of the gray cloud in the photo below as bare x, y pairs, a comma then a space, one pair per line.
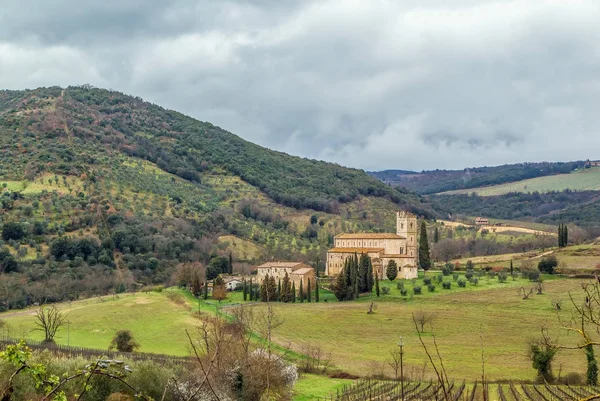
370, 84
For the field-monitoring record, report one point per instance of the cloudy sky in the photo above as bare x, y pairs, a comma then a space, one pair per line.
406, 84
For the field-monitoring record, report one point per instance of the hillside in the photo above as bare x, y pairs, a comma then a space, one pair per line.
436, 181
581, 180
102, 192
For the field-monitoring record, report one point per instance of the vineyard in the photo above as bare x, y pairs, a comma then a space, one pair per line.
382, 390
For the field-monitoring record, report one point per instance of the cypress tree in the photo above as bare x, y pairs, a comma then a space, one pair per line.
349, 284
511, 267
286, 289
370, 281
565, 235
363, 273
424, 256
205, 289
317, 267
230, 267
245, 291
436, 235
250, 292
308, 294
317, 290
376, 285
592, 366
560, 236
278, 291
354, 276
294, 292
301, 292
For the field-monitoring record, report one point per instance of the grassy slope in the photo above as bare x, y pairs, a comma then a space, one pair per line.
587, 179
505, 321
157, 323
315, 387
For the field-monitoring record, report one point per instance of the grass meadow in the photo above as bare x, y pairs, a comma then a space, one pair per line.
582, 180
489, 313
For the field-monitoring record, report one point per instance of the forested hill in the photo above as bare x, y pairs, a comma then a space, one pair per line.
436, 181
103, 192
177, 144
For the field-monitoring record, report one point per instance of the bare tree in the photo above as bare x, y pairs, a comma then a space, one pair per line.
524, 293
423, 318
394, 362
49, 320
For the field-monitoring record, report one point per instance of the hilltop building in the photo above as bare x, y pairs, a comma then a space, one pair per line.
381, 247
296, 271
482, 221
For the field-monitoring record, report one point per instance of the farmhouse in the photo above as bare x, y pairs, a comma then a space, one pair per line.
481, 221
296, 271
400, 247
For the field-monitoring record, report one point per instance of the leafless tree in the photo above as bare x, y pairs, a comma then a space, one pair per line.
423, 318
49, 320
317, 360
394, 362
524, 292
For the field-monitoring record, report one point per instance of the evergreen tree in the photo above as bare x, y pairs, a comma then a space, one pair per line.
354, 277
286, 289
245, 291
376, 285
370, 279
317, 267
250, 292
565, 235
511, 267
308, 294
279, 290
230, 263
560, 235
392, 270
349, 282
301, 293
268, 289
340, 286
424, 256
205, 288
436, 235
592, 366
293, 292
317, 290
362, 273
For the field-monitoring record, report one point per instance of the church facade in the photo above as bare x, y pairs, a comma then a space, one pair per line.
400, 247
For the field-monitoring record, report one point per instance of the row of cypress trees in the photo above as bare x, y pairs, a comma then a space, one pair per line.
282, 291
356, 278
563, 235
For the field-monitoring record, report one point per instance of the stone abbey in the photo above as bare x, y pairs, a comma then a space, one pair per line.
381, 247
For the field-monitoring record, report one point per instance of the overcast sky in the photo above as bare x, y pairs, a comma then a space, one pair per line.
406, 84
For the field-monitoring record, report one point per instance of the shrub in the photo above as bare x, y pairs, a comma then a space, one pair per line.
417, 290
474, 281
469, 274
403, 292
502, 277
462, 283
439, 278
124, 342
454, 276
548, 264
427, 280
400, 285
531, 274
385, 290
447, 269
447, 285
431, 288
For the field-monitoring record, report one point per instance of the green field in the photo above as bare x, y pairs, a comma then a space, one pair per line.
587, 179
360, 343
157, 323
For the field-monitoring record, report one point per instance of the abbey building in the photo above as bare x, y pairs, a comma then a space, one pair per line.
381, 247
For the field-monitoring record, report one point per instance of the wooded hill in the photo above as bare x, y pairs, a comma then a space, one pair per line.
103, 191
436, 181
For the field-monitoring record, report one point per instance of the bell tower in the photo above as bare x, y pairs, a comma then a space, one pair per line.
406, 226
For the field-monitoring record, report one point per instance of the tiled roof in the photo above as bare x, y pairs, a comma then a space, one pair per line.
369, 236
303, 271
357, 250
283, 265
